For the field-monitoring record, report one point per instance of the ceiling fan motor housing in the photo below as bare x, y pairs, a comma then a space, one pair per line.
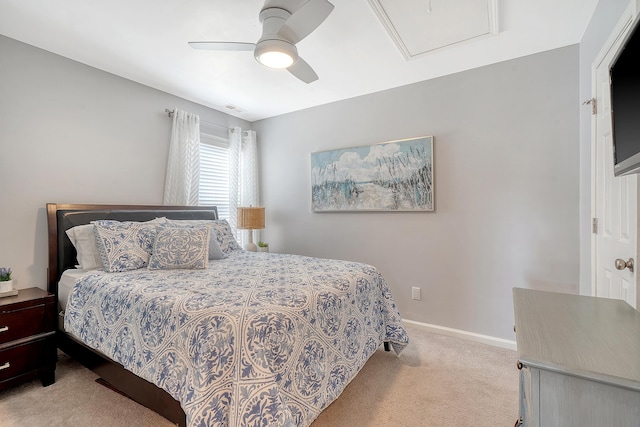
275, 48
272, 20
271, 43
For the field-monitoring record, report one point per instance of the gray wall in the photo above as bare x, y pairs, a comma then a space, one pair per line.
70, 133
506, 166
602, 23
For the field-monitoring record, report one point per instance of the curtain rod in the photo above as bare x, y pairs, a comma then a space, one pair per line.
170, 113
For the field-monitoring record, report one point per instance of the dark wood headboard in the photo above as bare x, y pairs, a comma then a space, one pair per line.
61, 217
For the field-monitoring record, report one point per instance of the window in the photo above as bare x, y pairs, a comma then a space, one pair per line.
214, 173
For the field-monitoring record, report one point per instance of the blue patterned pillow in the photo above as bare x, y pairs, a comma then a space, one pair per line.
125, 245
180, 247
227, 242
214, 248
221, 230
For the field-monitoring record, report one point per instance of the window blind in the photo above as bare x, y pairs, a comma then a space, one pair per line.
214, 173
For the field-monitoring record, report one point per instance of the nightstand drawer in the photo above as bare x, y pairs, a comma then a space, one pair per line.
23, 358
23, 322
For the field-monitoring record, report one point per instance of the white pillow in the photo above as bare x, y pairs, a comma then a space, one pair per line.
84, 240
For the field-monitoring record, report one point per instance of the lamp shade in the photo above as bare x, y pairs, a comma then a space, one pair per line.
251, 218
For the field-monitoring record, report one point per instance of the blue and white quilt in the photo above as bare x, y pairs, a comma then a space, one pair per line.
257, 339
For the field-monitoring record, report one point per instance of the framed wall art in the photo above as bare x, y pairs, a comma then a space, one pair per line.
395, 176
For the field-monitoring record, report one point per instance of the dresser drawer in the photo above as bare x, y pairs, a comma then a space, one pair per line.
23, 358
22, 322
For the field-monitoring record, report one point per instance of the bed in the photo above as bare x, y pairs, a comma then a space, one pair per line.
248, 339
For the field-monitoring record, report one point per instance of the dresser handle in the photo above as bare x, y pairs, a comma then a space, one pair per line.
5, 366
4, 329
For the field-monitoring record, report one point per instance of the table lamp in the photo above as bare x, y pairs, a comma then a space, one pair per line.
250, 218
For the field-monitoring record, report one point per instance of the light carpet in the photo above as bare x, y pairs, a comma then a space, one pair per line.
438, 381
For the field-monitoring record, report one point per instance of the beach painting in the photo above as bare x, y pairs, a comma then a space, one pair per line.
393, 176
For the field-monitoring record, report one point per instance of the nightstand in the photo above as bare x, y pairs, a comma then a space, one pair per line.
27, 337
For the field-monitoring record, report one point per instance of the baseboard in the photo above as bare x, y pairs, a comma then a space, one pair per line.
485, 339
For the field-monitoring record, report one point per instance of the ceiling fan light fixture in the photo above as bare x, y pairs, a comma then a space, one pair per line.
276, 53
275, 59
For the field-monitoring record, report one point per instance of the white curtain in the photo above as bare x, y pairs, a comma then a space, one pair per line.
243, 177
183, 166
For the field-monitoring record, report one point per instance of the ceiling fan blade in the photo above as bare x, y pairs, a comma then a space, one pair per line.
305, 19
303, 71
223, 46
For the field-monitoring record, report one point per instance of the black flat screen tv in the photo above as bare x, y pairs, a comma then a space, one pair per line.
624, 81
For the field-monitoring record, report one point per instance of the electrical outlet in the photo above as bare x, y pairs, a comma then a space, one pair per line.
415, 293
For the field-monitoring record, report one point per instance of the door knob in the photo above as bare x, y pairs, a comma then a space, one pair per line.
622, 264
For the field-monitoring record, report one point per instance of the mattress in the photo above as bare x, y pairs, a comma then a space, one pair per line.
66, 284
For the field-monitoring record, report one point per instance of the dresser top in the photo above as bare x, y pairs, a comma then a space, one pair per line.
589, 337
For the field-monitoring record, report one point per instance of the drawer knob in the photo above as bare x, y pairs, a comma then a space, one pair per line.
5, 366
4, 329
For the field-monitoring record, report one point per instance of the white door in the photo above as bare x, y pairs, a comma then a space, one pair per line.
615, 198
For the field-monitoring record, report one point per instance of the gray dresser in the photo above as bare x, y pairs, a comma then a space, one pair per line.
579, 360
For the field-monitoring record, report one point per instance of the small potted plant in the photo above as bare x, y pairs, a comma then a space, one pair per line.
6, 284
263, 246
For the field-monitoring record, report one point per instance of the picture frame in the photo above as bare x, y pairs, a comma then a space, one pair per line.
392, 176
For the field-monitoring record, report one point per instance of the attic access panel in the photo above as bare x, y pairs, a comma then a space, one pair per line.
419, 27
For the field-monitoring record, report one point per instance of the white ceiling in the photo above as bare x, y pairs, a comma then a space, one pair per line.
352, 52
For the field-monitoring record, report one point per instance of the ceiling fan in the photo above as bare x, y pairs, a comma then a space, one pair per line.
283, 26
